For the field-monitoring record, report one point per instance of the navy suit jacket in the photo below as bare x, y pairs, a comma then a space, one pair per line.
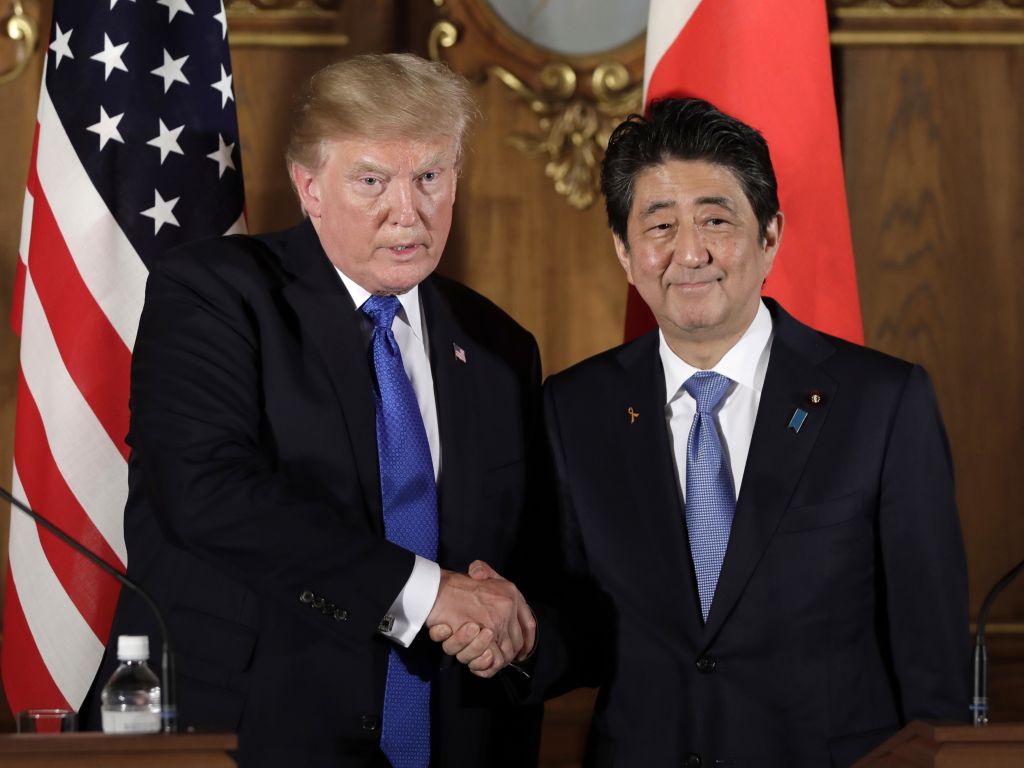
254, 480
841, 609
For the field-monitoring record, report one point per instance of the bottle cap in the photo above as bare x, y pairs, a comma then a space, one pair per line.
132, 647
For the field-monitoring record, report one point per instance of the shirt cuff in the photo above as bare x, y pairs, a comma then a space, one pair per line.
412, 606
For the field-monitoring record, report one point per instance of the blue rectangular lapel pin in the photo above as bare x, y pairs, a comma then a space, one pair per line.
799, 417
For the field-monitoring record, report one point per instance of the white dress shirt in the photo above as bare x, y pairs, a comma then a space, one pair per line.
413, 604
745, 364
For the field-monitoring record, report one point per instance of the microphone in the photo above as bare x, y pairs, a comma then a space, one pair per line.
979, 702
168, 708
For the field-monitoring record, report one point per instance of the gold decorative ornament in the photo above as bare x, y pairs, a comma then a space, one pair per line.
21, 28
926, 6
573, 131
284, 23
444, 34
235, 7
577, 99
927, 22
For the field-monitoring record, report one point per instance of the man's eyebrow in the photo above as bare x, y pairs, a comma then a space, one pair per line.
366, 166
657, 205
438, 159
719, 200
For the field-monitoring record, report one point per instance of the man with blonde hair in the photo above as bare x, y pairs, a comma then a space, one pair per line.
325, 437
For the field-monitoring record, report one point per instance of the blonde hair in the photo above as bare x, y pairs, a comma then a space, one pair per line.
392, 95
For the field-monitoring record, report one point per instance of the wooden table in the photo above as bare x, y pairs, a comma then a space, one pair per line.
103, 750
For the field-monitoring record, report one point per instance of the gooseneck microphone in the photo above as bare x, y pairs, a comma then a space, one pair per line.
168, 708
979, 701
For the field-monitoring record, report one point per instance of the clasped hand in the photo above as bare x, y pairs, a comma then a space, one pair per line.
482, 620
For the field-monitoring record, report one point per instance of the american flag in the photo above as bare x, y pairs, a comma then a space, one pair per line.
136, 150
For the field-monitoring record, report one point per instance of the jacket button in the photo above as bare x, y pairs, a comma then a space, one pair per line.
706, 664
370, 722
306, 597
692, 760
341, 615
318, 602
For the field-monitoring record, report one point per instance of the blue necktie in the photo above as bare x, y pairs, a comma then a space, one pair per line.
409, 497
710, 500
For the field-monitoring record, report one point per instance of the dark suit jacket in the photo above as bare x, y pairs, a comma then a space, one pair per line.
841, 609
254, 479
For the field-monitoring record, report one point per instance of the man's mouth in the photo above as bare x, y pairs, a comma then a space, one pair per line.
697, 283
402, 249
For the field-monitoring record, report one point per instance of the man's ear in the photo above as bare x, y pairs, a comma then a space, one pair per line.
772, 240
622, 251
307, 187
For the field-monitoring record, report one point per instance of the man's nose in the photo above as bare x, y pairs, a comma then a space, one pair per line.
402, 211
691, 248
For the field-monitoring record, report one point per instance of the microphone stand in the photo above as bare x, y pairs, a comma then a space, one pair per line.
979, 701
168, 708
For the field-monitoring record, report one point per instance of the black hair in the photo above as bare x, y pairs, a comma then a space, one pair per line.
686, 129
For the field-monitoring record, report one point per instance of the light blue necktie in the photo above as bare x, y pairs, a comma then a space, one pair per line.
409, 497
710, 500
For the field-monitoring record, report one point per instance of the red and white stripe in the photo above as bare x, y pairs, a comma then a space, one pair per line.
80, 290
768, 63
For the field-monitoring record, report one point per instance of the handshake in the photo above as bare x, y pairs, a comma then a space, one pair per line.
482, 620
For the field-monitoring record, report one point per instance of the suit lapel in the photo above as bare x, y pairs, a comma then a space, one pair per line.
328, 319
643, 439
778, 453
457, 403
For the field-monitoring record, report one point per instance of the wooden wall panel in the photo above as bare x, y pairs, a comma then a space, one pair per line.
516, 240
932, 139
520, 243
19, 99
266, 77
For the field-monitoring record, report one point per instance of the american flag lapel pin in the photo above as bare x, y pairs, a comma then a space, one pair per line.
460, 353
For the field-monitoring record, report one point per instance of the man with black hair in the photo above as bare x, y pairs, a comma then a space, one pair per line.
763, 515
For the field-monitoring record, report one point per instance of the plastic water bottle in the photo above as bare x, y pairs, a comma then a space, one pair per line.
131, 700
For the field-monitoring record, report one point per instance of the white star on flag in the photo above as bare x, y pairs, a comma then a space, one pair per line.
110, 56
114, 2
174, 7
222, 155
224, 86
106, 128
167, 141
223, 19
170, 70
62, 45
162, 212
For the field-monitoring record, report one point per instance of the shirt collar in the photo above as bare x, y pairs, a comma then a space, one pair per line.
745, 363
410, 301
